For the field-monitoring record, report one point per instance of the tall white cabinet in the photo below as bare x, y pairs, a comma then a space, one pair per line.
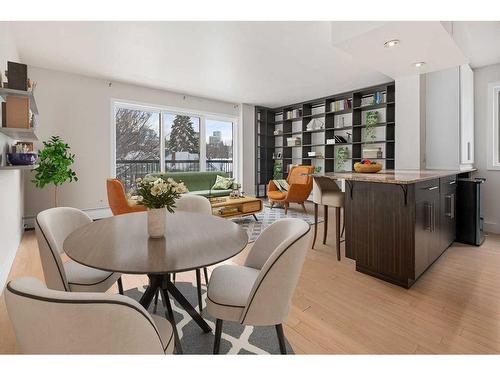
450, 119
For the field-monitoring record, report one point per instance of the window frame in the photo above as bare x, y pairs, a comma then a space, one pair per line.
202, 115
493, 149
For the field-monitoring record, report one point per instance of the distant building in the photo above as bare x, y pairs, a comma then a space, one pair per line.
215, 138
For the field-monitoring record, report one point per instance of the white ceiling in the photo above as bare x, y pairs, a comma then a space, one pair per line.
480, 41
427, 42
266, 63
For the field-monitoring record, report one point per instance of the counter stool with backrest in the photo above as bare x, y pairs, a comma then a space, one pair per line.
52, 226
54, 322
259, 293
327, 193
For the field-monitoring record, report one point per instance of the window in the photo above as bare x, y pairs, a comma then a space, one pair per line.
219, 146
142, 134
182, 142
493, 148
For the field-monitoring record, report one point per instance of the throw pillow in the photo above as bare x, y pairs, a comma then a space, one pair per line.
223, 183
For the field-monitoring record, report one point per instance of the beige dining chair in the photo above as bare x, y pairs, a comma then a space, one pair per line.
52, 226
327, 193
56, 322
259, 292
196, 204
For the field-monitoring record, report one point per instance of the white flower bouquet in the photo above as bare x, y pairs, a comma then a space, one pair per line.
155, 192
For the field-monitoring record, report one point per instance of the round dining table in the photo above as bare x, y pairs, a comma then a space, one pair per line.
192, 241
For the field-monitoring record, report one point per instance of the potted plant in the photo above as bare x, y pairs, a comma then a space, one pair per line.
159, 196
54, 163
340, 158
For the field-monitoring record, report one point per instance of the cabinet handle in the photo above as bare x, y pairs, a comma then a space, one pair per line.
432, 188
429, 220
468, 151
453, 182
452, 208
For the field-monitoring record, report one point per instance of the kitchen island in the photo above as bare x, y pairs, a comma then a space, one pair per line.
398, 222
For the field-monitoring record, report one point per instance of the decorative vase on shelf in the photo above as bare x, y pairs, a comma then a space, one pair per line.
157, 218
159, 196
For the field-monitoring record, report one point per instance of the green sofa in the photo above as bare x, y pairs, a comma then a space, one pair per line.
199, 183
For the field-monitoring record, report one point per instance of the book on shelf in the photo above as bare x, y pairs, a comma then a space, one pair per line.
340, 105
376, 98
294, 113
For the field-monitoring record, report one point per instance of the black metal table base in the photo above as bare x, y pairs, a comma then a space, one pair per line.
167, 287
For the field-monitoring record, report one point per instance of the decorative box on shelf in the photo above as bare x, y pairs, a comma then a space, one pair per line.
372, 153
293, 141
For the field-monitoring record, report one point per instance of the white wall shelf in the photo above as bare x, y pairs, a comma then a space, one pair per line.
20, 134
29, 94
22, 167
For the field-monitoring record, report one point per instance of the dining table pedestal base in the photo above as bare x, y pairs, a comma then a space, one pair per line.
164, 284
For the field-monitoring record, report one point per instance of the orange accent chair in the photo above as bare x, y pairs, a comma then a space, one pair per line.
117, 198
300, 187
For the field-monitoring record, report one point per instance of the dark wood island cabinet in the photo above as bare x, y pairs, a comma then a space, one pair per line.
398, 223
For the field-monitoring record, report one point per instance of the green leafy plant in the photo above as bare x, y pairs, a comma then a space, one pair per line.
340, 157
277, 169
371, 121
54, 163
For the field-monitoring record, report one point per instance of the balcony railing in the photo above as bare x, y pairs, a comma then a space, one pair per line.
130, 170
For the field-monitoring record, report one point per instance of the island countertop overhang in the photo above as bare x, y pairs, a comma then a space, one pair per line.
400, 177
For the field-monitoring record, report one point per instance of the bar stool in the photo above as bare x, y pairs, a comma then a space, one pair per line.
327, 193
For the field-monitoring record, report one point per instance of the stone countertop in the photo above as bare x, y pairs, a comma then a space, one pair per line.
403, 177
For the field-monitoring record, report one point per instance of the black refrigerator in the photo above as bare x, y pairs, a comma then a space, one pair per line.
469, 215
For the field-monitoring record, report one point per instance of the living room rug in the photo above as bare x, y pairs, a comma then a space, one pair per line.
268, 216
236, 338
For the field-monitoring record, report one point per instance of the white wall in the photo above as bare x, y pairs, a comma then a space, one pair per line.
11, 192
491, 189
247, 121
78, 109
410, 122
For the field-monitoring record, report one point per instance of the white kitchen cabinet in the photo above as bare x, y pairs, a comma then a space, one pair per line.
450, 119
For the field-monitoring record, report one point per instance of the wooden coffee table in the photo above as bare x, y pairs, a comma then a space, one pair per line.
233, 207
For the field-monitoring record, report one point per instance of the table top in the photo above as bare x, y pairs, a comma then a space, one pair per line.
230, 201
393, 177
121, 243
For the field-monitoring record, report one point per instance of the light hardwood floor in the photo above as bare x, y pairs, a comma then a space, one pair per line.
453, 308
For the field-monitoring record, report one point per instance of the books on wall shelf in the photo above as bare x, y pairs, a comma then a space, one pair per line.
340, 105
376, 98
294, 113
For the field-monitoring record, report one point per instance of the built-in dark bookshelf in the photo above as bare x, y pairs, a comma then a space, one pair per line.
315, 122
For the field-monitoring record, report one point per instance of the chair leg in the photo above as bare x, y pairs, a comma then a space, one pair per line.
173, 278
325, 226
281, 338
337, 231
218, 334
156, 301
272, 204
120, 285
286, 208
205, 272
315, 223
343, 222
198, 286
303, 207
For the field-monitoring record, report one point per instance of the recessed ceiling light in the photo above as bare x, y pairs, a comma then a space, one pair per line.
419, 64
391, 43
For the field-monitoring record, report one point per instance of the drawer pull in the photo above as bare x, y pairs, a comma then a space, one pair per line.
453, 182
433, 188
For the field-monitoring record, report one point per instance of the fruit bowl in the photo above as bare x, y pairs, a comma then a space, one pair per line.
367, 168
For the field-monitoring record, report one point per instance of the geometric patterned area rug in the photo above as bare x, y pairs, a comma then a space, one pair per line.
268, 216
236, 338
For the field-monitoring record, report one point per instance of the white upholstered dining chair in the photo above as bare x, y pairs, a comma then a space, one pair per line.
259, 293
56, 322
196, 204
52, 226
